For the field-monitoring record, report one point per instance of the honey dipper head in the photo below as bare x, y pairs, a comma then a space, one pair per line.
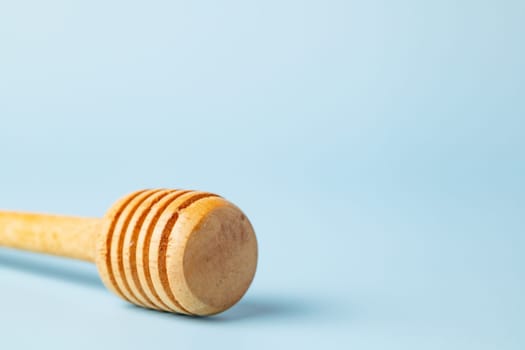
178, 251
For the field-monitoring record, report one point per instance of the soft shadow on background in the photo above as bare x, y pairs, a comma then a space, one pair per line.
47, 267
268, 307
258, 307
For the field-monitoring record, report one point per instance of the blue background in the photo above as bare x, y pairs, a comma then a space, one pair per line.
377, 146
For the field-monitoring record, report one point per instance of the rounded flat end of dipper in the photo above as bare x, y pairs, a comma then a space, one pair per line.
220, 258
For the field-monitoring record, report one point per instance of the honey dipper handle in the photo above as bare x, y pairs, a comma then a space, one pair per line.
65, 236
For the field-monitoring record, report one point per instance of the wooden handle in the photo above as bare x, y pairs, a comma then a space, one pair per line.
71, 237
179, 251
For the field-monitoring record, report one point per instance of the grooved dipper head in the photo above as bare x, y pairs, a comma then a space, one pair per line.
178, 251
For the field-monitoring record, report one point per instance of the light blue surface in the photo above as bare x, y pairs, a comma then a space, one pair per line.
377, 146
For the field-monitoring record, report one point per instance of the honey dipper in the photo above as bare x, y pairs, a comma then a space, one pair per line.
179, 251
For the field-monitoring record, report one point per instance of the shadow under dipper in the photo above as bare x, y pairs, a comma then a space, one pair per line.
267, 308
50, 267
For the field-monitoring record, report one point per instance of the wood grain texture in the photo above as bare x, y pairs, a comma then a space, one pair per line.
71, 237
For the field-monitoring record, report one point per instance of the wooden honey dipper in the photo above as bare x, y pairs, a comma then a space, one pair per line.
179, 251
